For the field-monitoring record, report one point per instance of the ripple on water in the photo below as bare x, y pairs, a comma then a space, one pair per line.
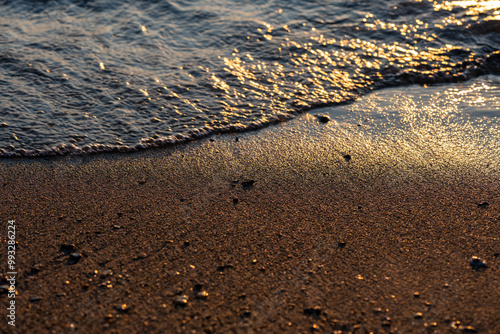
99, 76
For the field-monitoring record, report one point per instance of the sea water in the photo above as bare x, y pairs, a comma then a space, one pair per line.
86, 76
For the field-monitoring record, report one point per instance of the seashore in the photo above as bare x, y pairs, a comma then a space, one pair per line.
304, 226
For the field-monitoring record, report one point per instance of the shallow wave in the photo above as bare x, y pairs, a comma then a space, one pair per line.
93, 76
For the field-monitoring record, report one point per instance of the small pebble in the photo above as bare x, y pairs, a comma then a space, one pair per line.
477, 263
35, 299
202, 294
141, 255
247, 185
224, 267
107, 272
74, 258
483, 205
123, 308
67, 248
418, 315
386, 321
347, 157
235, 201
181, 301
341, 244
35, 269
416, 295
467, 329
323, 118
315, 311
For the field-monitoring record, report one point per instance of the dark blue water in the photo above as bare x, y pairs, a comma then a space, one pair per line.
89, 76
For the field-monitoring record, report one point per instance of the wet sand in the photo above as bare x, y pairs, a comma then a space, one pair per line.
335, 233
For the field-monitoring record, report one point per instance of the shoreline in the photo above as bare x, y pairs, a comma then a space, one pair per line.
378, 242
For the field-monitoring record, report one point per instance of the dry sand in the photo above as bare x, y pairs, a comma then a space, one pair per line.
379, 243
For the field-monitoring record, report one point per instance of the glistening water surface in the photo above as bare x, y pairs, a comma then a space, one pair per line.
89, 76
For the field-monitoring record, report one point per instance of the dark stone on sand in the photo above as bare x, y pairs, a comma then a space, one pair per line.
416, 295
67, 248
386, 322
186, 244
35, 299
4, 288
341, 244
224, 267
323, 118
35, 269
418, 315
483, 205
74, 258
313, 311
235, 201
236, 139
246, 314
347, 157
477, 263
247, 185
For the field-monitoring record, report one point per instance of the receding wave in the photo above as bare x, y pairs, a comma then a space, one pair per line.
101, 76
